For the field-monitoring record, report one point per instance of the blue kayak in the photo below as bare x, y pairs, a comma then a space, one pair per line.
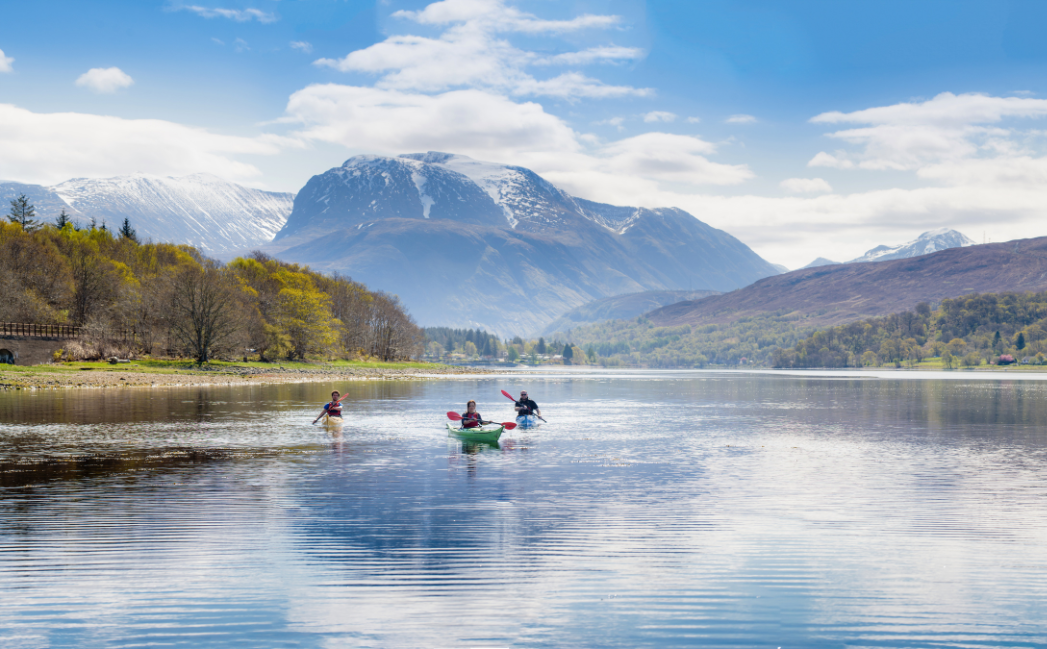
528, 421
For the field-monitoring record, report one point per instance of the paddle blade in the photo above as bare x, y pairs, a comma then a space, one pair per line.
454, 416
509, 425
509, 396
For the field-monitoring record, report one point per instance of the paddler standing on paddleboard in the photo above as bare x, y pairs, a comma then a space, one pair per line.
332, 409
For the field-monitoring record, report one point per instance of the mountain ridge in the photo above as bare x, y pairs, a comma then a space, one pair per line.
831, 295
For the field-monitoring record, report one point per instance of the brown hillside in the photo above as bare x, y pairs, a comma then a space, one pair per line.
830, 295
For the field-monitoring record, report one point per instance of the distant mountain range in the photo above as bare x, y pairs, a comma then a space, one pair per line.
925, 244
466, 243
830, 295
620, 307
202, 210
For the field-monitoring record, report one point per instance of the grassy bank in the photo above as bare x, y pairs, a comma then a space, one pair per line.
161, 373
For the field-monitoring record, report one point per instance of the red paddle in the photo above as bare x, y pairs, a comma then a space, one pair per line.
509, 396
454, 416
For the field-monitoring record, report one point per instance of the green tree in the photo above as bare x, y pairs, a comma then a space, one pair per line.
996, 341
62, 220
513, 354
23, 213
568, 354
127, 232
973, 359
469, 349
947, 360
1020, 343
540, 347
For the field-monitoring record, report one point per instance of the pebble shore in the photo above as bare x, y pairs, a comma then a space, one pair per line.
106, 378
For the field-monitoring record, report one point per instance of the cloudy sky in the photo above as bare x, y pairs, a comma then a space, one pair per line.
804, 127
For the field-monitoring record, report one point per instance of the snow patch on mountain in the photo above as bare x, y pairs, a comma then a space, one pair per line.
925, 244
202, 210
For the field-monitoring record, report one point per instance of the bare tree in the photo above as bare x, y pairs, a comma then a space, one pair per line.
203, 310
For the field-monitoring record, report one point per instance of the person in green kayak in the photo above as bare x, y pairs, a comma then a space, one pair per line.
332, 409
471, 418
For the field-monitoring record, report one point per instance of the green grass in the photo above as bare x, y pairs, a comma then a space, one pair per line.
150, 366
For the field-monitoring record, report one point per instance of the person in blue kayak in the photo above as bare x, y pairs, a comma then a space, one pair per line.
526, 410
333, 408
471, 418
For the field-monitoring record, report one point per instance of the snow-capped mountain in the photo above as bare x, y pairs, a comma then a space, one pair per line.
469, 243
925, 244
202, 210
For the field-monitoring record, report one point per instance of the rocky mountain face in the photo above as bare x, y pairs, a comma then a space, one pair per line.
467, 243
202, 210
830, 295
925, 244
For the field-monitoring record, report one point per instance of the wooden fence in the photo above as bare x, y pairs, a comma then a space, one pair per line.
26, 330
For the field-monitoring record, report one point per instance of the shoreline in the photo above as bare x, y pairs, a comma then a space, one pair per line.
44, 377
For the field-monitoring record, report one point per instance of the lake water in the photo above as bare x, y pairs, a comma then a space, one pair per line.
655, 509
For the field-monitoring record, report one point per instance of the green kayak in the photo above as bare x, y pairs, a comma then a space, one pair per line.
482, 434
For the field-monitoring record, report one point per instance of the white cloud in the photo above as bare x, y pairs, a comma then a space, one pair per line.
493, 127
613, 121
606, 54
694, 120
659, 116
473, 52
496, 16
302, 46
241, 45
48, 148
949, 127
824, 159
5, 62
104, 80
740, 119
805, 186
239, 15
218, 40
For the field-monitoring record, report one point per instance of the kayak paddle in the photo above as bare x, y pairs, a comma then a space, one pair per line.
509, 396
454, 416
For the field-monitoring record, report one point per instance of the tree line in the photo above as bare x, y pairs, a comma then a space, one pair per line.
997, 328
170, 300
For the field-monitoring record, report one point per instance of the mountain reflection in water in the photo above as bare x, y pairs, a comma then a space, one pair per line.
655, 509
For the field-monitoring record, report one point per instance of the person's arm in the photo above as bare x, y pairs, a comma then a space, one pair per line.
322, 413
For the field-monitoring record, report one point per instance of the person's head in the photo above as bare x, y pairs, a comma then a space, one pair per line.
523, 395
471, 406
335, 395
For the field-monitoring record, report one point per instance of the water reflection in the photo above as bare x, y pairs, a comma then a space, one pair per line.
656, 509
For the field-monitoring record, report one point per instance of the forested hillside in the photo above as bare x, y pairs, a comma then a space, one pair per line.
169, 300
985, 328
640, 342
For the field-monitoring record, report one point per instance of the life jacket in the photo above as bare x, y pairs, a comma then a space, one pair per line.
471, 421
333, 410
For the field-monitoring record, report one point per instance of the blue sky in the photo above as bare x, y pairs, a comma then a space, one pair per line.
805, 128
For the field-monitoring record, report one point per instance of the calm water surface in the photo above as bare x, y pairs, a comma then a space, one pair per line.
656, 509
